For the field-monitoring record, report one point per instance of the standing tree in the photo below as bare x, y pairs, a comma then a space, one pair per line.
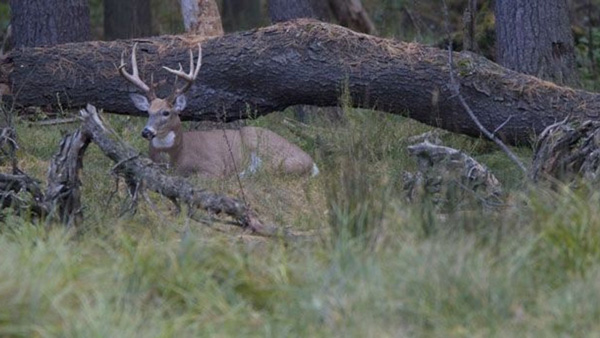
126, 19
201, 17
49, 22
534, 37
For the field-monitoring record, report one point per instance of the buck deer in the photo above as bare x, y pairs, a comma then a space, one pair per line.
217, 153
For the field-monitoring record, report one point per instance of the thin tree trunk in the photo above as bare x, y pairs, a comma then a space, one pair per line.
201, 17
127, 19
469, 25
46, 23
534, 37
249, 74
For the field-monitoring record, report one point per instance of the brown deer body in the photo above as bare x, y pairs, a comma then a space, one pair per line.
216, 153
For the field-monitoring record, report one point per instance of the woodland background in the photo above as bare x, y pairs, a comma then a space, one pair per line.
366, 261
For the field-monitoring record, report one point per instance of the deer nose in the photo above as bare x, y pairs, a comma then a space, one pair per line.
148, 133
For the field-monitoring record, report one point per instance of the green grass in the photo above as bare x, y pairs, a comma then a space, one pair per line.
372, 267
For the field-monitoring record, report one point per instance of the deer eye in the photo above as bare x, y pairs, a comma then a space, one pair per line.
166, 113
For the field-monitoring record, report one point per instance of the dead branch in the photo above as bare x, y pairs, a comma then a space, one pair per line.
455, 88
23, 194
54, 122
450, 178
62, 199
63, 195
135, 168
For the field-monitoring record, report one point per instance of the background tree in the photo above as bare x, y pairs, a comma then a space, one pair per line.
49, 22
241, 14
534, 37
125, 19
351, 13
284, 10
201, 17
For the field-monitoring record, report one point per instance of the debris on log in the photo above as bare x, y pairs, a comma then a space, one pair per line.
450, 179
566, 152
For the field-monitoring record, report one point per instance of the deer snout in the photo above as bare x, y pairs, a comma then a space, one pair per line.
148, 133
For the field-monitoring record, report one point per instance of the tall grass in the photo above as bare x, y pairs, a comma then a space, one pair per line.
374, 265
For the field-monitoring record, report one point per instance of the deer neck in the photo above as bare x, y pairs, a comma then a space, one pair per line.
170, 143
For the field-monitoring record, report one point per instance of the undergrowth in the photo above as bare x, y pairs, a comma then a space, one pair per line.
369, 263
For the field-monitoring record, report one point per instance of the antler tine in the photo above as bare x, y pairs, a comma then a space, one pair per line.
188, 77
134, 77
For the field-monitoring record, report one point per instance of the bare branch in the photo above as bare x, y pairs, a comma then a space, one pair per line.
455, 88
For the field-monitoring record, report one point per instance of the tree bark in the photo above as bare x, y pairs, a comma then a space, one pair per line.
254, 73
534, 37
201, 17
469, 26
126, 19
45, 23
285, 10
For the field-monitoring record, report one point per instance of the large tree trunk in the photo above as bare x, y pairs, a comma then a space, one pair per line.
534, 37
302, 62
47, 23
201, 17
126, 19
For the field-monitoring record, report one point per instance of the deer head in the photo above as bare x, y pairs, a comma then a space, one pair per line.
163, 114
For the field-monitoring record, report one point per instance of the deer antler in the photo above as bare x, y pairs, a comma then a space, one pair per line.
188, 77
134, 77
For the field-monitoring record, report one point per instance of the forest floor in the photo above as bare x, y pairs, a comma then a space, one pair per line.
370, 264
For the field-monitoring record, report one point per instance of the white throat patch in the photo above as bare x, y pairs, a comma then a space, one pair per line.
164, 142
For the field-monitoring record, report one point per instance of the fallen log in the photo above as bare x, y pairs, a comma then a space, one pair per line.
253, 73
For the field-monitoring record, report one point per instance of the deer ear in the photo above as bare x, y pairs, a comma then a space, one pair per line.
180, 103
140, 102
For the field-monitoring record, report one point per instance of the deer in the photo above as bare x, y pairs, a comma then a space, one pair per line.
211, 153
